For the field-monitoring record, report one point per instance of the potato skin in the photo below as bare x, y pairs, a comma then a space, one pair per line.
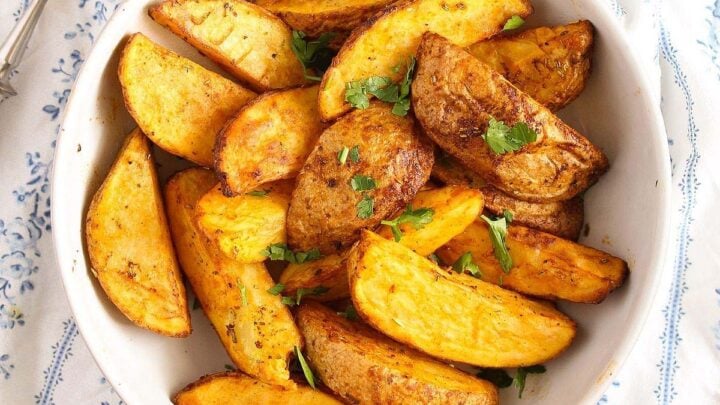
550, 64
365, 367
454, 96
323, 211
129, 245
257, 331
246, 40
561, 218
268, 140
544, 265
180, 105
328, 271
391, 37
235, 388
412, 300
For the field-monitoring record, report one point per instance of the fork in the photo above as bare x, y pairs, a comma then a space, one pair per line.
12, 49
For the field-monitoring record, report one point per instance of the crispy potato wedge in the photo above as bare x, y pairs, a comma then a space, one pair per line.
550, 64
324, 211
390, 38
454, 208
243, 226
268, 140
561, 218
454, 96
129, 244
449, 315
365, 367
255, 327
544, 265
180, 105
234, 388
246, 40
316, 17
328, 271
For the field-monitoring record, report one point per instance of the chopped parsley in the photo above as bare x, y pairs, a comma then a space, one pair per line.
508, 216
513, 22
352, 153
357, 92
276, 289
465, 263
355, 154
360, 182
281, 251
503, 139
349, 313
498, 234
522, 372
365, 208
305, 367
303, 292
313, 54
418, 218
343, 155
243, 293
258, 193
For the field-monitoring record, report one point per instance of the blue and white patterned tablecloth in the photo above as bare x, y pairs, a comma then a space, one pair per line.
44, 360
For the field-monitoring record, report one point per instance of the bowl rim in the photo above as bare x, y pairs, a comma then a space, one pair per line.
62, 249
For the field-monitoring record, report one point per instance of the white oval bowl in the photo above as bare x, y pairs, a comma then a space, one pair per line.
628, 212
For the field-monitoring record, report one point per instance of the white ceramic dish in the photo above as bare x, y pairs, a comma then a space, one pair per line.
629, 207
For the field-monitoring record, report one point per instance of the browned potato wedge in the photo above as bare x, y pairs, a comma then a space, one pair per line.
255, 327
269, 139
316, 17
449, 315
454, 96
180, 105
550, 64
129, 244
246, 40
560, 218
390, 38
324, 211
365, 367
328, 272
543, 265
234, 388
243, 226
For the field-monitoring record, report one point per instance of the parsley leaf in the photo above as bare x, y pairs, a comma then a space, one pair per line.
276, 289
355, 154
464, 263
281, 251
513, 22
343, 155
303, 292
497, 376
243, 293
418, 218
365, 207
522, 373
358, 92
258, 193
498, 233
508, 216
503, 139
289, 301
360, 182
349, 313
313, 54
305, 367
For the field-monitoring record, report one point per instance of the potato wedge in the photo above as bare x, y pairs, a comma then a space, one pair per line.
324, 211
255, 327
129, 244
390, 38
316, 17
365, 367
246, 40
544, 265
449, 315
234, 388
561, 218
268, 140
180, 105
328, 271
550, 64
454, 208
454, 96
244, 225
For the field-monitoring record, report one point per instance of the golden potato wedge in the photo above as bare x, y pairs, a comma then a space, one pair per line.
316, 17
365, 367
561, 218
550, 64
324, 211
129, 244
544, 265
454, 208
234, 388
246, 40
454, 97
268, 140
328, 271
255, 327
244, 225
180, 105
390, 38
449, 315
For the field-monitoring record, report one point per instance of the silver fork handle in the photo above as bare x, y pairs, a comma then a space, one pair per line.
12, 49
